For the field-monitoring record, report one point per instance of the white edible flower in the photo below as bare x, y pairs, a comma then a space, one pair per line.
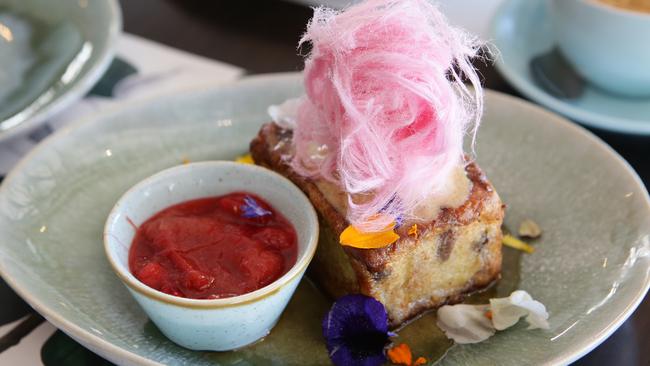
507, 311
476, 323
465, 323
285, 114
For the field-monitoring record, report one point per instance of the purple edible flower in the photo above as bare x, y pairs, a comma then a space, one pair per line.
252, 209
399, 221
356, 331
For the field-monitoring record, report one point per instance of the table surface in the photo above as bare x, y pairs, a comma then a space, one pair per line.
261, 37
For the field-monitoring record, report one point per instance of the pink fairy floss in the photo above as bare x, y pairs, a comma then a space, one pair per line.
385, 101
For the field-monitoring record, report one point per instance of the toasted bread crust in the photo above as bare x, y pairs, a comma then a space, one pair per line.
462, 245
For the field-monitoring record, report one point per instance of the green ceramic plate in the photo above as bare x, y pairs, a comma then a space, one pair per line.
591, 266
52, 52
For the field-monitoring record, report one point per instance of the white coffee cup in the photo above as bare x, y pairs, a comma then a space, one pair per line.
609, 46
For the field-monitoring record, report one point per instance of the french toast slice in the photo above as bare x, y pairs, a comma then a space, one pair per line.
457, 253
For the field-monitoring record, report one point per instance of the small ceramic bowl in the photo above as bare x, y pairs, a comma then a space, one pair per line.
221, 324
607, 45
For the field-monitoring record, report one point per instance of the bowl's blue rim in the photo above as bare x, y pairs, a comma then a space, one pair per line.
532, 91
120, 355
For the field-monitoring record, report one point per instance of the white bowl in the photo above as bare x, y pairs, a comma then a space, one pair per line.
607, 45
221, 324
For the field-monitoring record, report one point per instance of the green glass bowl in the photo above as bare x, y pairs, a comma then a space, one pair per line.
52, 53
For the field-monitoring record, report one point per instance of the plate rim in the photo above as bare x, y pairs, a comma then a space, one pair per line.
120, 355
82, 85
538, 95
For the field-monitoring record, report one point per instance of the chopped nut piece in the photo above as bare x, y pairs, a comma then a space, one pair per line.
529, 229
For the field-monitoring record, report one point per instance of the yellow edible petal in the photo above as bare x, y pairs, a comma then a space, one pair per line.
357, 239
245, 159
413, 231
515, 243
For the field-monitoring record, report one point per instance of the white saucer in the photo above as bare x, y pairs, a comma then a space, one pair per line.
521, 30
